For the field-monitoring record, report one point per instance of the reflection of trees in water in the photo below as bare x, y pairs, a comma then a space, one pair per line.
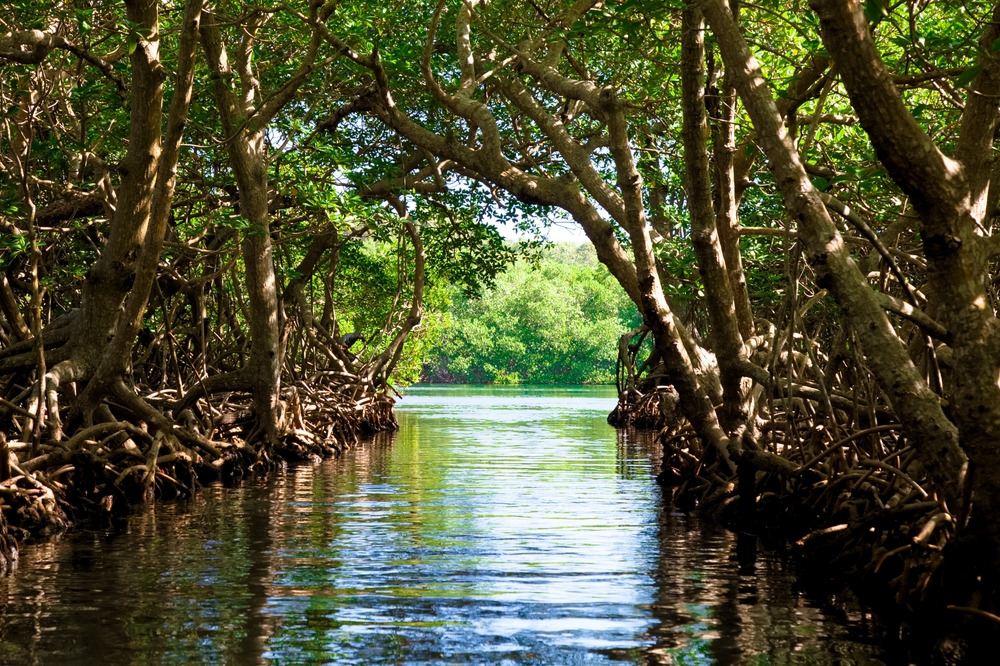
369, 460
309, 529
255, 572
278, 568
165, 594
333, 555
719, 601
638, 453
220, 587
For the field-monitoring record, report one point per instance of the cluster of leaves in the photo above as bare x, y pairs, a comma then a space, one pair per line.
319, 177
555, 320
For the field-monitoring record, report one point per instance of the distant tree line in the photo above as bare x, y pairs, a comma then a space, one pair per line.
554, 319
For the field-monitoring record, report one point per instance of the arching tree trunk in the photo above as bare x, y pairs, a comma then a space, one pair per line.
111, 278
949, 195
914, 401
727, 342
262, 373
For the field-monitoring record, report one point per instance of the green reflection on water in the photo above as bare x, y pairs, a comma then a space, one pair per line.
500, 525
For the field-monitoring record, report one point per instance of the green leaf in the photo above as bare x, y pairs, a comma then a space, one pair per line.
875, 11
968, 75
996, 45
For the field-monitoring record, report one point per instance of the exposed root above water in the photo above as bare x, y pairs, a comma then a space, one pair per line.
108, 468
827, 469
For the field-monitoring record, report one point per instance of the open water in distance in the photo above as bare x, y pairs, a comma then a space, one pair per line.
500, 526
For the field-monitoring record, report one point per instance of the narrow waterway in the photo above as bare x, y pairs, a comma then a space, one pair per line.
499, 526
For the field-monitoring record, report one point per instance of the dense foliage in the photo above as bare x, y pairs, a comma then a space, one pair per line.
554, 320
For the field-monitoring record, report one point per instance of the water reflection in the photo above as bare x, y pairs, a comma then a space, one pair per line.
507, 526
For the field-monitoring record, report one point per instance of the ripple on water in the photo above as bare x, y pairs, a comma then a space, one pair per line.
500, 526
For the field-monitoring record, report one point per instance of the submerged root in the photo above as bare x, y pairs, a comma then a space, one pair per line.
646, 411
8, 548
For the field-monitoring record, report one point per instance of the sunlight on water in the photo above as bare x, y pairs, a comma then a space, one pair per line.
499, 526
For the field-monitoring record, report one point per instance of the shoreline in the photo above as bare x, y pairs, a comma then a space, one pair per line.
902, 557
119, 468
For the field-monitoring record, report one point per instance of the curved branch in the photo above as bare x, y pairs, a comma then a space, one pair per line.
577, 156
31, 47
383, 365
909, 312
937, 184
916, 404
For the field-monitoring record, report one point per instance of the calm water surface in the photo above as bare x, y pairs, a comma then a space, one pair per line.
499, 526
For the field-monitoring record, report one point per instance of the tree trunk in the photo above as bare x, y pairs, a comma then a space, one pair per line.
117, 354
245, 125
949, 196
726, 214
935, 438
111, 278
727, 343
262, 372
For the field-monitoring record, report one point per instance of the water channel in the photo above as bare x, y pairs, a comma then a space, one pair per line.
499, 526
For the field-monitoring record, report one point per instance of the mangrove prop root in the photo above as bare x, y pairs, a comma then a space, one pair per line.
832, 472
108, 468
